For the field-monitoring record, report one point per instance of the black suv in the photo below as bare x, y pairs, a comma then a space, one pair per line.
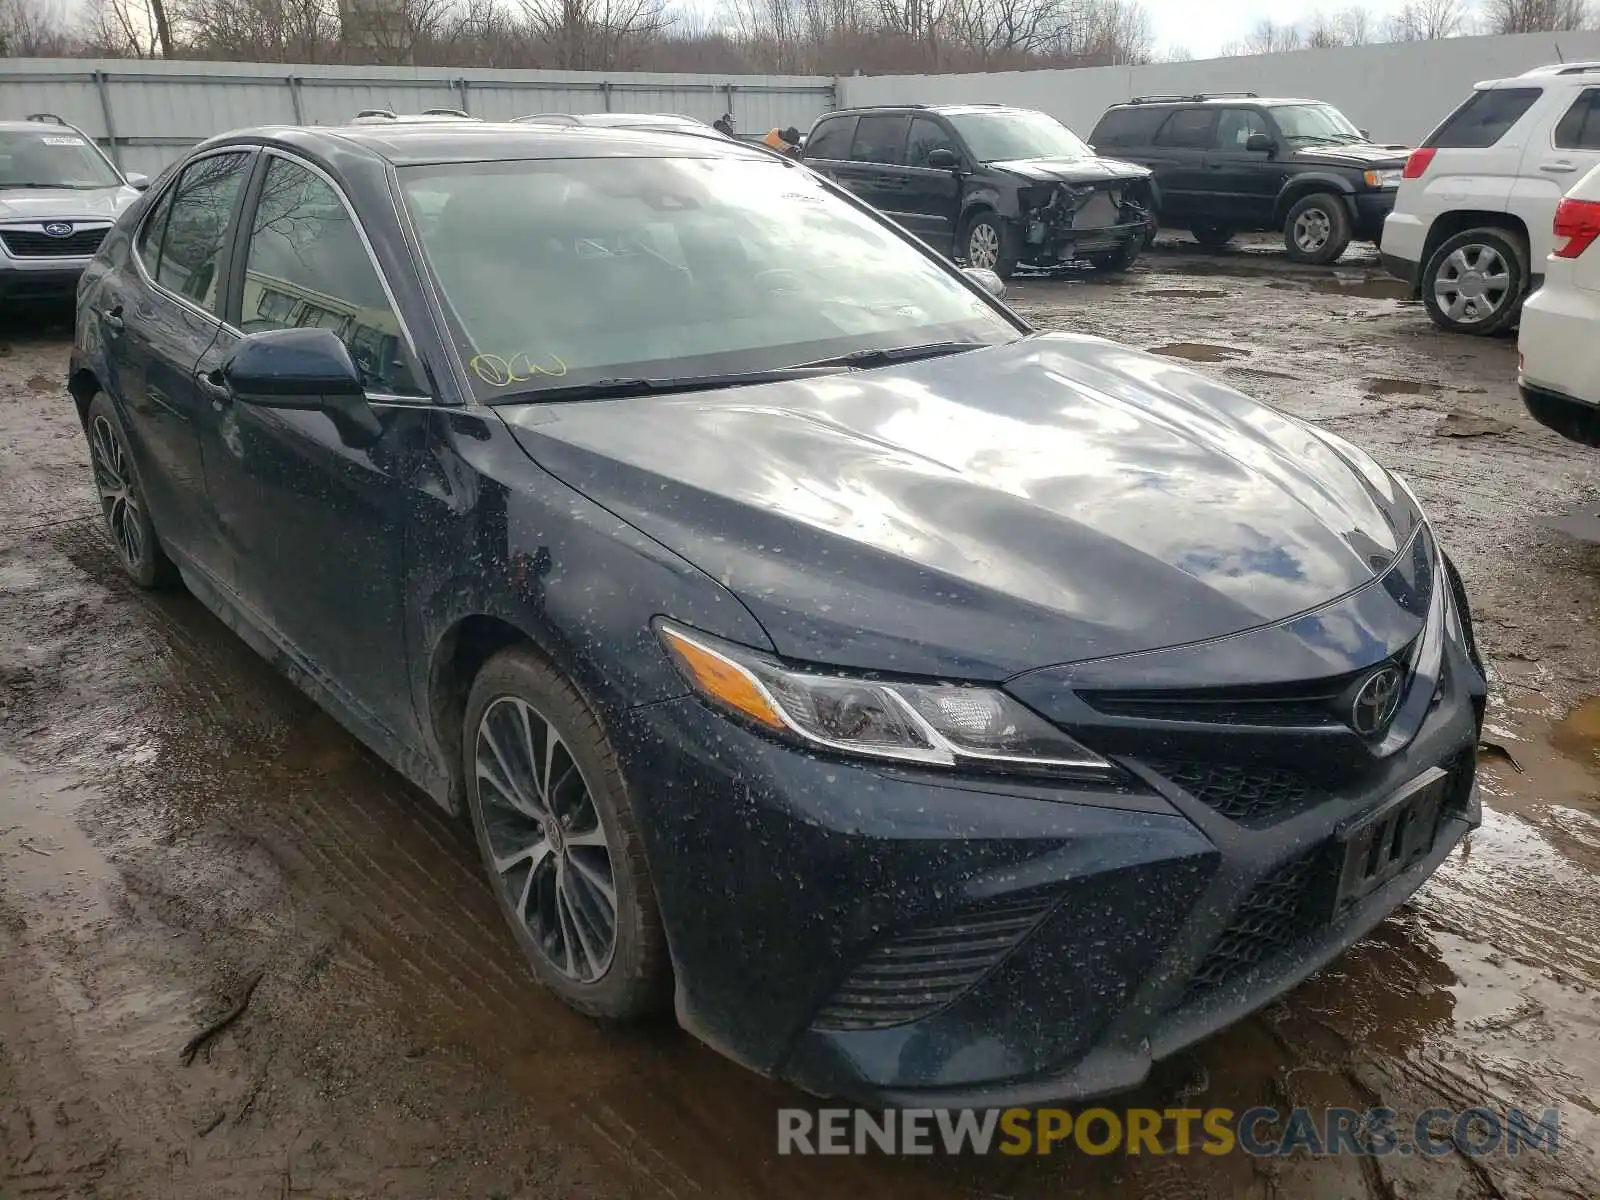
1230, 161
993, 185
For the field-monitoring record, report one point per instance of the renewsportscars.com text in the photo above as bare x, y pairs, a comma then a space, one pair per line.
1261, 1132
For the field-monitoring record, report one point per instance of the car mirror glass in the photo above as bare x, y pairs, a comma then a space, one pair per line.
1259, 143
137, 180
987, 280
941, 158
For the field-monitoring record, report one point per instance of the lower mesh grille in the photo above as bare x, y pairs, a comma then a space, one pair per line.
917, 972
1289, 904
1252, 796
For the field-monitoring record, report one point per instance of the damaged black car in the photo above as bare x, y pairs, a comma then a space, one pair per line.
995, 186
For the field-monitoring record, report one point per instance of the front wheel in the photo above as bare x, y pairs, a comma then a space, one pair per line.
989, 241
1116, 261
557, 835
1317, 229
1474, 282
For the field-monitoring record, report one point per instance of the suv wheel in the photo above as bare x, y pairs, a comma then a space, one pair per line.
1317, 229
1210, 235
122, 499
1474, 282
559, 841
1117, 260
989, 241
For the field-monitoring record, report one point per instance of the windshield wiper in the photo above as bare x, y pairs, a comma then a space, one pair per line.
34, 185
614, 389
896, 354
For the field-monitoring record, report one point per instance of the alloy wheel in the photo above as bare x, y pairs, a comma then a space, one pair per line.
550, 855
1472, 283
1312, 229
983, 246
119, 496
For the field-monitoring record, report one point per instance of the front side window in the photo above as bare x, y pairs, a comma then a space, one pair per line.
190, 256
306, 267
1580, 128
52, 157
926, 137
1235, 126
568, 271
1484, 118
1017, 134
1311, 124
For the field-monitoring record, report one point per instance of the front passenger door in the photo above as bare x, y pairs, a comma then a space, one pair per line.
1242, 185
933, 194
318, 526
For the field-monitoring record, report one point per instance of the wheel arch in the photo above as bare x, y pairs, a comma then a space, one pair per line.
1447, 224
83, 385
1301, 186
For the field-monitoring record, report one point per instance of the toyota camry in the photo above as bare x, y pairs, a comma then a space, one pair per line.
930, 710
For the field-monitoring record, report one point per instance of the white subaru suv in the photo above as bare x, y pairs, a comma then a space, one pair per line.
59, 197
1558, 346
1471, 226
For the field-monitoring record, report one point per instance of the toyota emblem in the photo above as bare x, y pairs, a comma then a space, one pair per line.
58, 229
1376, 701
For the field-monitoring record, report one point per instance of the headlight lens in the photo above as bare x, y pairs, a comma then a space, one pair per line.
942, 724
1383, 179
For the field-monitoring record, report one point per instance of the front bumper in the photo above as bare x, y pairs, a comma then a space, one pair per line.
829, 921
1372, 209
53, 281
1057, 245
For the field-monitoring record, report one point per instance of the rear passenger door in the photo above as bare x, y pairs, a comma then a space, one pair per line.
876, 169
1179, 159
1550, 168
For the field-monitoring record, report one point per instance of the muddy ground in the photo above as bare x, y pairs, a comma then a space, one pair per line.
177, 824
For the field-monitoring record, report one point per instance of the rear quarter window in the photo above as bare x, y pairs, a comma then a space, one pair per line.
831, 138
1484, 119
1127, 127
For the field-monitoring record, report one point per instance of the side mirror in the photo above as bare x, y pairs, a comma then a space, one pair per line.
1259, 143
942, 158
137, 180
987, 280
305, 369
1364, 134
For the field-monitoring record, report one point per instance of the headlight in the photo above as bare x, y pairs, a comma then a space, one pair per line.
948, 725
1382, 179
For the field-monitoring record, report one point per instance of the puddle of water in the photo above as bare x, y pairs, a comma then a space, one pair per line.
1379, 385
1199, 352
1577, 734
1186, 293
1363, 287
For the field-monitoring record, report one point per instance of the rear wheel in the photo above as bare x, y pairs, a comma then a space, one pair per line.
1317, 229
989, 241
122, 499
557, 835
1211, 235
1474, 282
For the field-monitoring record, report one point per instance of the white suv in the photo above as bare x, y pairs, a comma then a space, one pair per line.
1558, 348
1470, 228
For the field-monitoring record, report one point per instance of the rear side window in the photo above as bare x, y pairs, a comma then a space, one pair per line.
1580, 128
879, 139
1134, 126
1483, 119
1189, 128
831, 138
191, 246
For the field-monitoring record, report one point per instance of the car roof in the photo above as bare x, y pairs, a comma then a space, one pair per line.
36, 127
445, 142
946, 110
1222, 101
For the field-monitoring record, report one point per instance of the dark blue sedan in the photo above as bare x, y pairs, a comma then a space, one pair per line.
934, 711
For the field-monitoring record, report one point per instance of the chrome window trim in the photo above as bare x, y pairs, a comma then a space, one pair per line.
143, 271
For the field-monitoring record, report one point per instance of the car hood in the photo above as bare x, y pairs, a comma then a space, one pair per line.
1362, 155
1052, 500
1071, 170
65, 204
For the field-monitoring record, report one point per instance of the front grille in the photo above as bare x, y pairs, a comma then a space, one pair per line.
918, 972
1253, 796
1289, 904
27, 243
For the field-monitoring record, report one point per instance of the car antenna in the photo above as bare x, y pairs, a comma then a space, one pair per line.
1560, 58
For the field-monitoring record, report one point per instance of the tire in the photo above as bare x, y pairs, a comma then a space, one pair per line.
122, 499
1489, 254
1211, 235
1317, 229
543, 894
997, 244
1117, 261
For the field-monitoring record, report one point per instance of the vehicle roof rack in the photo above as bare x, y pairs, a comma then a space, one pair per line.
445, 112
49, 119
1572, 68
376, 112
1193, 97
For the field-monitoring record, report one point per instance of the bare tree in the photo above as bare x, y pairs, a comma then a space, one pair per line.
120, 29
1175, 54
1268, 37
1534, 16
587, 35
1427, 21
33, 29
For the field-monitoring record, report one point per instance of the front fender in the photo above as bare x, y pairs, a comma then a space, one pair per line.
1297, 187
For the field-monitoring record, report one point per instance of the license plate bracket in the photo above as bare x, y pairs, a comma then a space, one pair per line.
1392, 838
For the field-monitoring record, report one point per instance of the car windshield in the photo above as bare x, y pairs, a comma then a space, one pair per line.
1315, 123
52, 157
1003, 136
564, 272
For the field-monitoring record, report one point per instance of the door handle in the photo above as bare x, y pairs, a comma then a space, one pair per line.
1557, 168
113, 319
214, 385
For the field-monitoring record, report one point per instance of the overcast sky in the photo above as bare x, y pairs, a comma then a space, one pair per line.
1204, 27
